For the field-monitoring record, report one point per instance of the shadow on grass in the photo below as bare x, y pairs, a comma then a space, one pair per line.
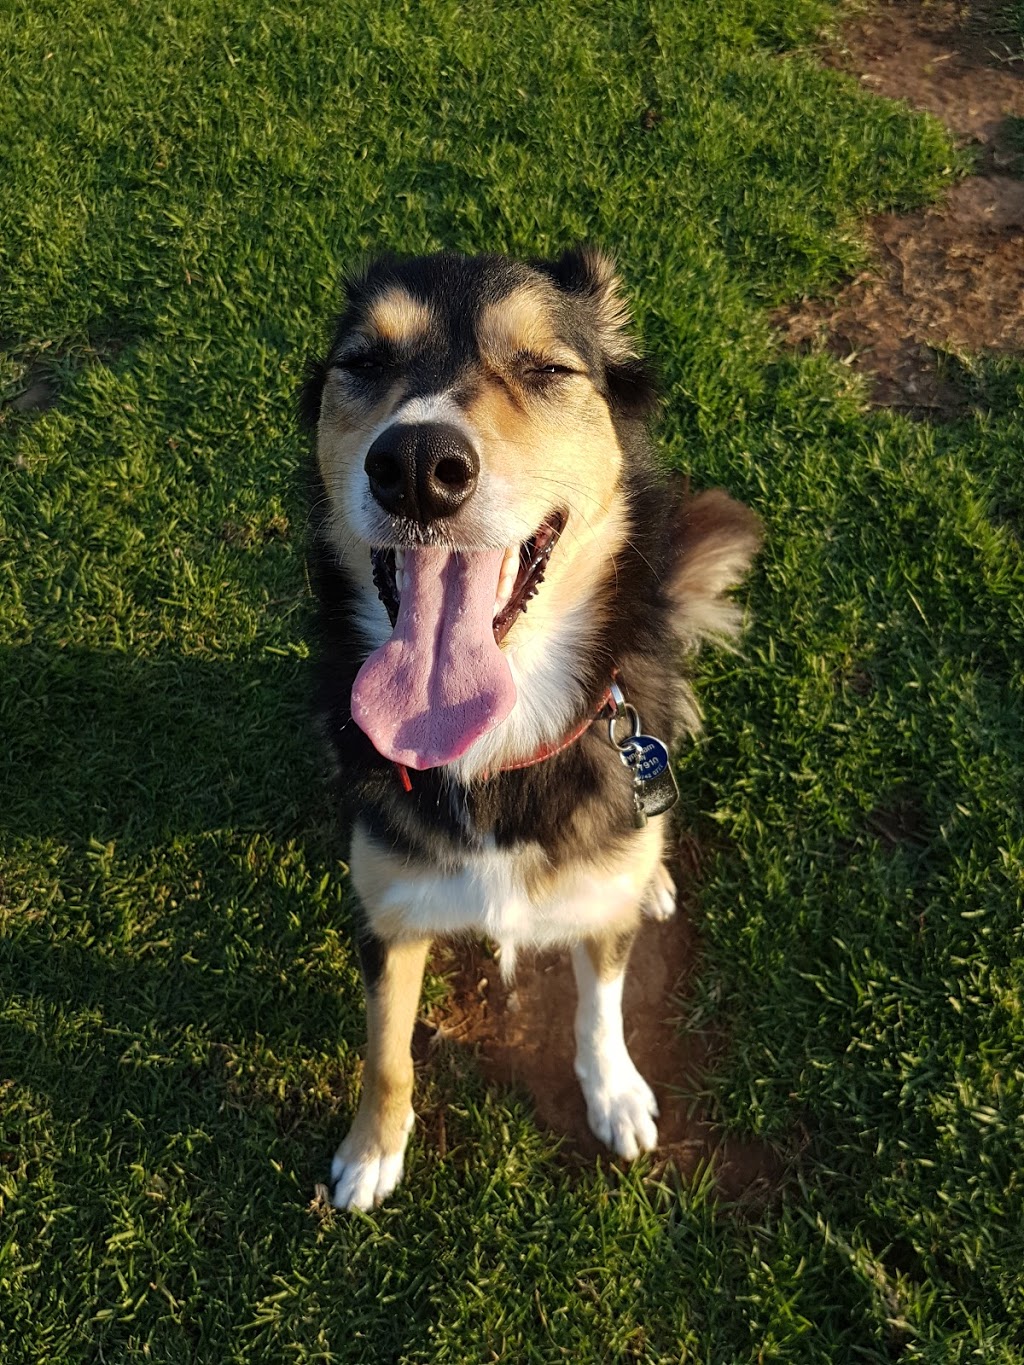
183, 924
101, 745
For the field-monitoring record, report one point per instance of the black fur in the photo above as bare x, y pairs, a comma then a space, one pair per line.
373, 952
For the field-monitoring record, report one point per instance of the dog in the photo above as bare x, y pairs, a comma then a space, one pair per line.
508, 585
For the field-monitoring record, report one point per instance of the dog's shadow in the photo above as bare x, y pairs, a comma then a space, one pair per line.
108, 746
154, 791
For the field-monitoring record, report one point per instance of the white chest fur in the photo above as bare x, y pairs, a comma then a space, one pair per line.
489, 894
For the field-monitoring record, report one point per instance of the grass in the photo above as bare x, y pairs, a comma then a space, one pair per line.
181, 1023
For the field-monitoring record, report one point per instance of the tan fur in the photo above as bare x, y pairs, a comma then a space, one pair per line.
519, 323
397, 317
391, 1009
557, 441
551, 454
546, 445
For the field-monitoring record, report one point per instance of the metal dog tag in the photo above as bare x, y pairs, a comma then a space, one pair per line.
654, 783
651, 757
660, 793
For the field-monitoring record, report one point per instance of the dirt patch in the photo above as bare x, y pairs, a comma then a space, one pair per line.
948, 279
523, 1036
24, 387
959, 61
37, 395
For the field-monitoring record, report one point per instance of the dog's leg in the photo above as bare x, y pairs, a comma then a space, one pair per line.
621, 1108
368, 1164
660, 899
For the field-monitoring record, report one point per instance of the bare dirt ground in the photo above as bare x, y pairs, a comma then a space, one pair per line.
949, 279
523, 1037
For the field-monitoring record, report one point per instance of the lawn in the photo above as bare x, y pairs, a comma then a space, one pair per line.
180, 1024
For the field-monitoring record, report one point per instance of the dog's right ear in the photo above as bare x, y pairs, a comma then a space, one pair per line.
356, 283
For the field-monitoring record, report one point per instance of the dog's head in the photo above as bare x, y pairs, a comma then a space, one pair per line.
462, 398
469, 423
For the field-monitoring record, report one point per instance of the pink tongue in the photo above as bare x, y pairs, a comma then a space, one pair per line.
440, 682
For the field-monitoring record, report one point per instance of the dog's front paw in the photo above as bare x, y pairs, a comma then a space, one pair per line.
660, 899
363, 1173
621, 1107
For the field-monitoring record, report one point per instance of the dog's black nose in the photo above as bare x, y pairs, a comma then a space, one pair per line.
422, 470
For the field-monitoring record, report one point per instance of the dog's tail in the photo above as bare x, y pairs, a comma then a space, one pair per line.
715, 541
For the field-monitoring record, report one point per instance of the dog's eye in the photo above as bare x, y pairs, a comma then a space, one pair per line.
549, 371
366, 363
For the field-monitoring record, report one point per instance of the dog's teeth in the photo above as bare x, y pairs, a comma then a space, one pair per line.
399, 581
399, 560
507, 578
510, 564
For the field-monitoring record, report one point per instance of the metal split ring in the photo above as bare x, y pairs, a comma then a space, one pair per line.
629, 713
618, 701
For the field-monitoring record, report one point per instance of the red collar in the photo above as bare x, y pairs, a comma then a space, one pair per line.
539, 755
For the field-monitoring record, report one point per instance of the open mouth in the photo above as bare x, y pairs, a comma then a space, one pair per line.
442, 680
522, 572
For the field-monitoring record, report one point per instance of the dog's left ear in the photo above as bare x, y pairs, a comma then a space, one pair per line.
589, 274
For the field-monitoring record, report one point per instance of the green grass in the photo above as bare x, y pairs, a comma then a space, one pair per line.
181, 1022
